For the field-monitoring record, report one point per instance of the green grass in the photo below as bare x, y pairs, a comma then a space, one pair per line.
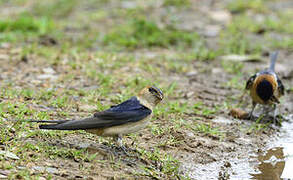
280, 22
176, 107
24, 26
57, 8
236, 82
238, 38
240, 6
53, 152
232, 67
283, 43
207, 129
234, 42
144, 33
258, 126
177, 3
167, 164
200, 108
26, 23
104, 56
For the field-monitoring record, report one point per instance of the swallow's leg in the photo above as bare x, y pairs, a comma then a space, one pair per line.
275, 115
119, 141
251, 112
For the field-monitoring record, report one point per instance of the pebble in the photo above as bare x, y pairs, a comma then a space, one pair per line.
86, 107
47, 76
3, 176
48, 169
221, 16
9, 155
48, 70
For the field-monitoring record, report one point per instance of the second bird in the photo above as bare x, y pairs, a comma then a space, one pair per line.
266, 87
127, 117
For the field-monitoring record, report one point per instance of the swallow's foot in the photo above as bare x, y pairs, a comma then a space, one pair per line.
124, 149
127, 150
278, 119
250, 117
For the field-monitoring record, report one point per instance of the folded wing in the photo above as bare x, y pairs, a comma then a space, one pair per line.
126, 112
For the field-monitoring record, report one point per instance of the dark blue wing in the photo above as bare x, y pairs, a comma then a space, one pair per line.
250, 82
281, 87
128, 105
126, 112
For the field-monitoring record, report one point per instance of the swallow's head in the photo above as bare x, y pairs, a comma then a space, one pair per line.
152, 95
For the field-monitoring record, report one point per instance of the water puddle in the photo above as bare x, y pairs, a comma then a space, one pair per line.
274, 162
271, 164
277, 161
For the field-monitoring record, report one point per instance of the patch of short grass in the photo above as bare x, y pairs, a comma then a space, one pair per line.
53, 152
23, 26
234, 42
232, 67
55, 8
144, 33
236, 82
16, 110
177, 107
240, 6
177, 3
280, 22
280, 43
198, 53
240, 37
167, 165
200, 108
21, 174
207, 129
258, 126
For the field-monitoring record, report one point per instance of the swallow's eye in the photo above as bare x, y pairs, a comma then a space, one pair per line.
156, 92
153, 90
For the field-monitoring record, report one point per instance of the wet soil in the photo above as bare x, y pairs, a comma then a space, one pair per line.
237, 154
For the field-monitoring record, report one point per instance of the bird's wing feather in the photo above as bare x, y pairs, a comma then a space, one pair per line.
250, 82
281, 87
128, 111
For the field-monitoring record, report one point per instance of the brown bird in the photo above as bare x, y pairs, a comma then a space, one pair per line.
128, 117
266, 87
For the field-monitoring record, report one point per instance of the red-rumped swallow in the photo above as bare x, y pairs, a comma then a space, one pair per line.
128, 117
266, 87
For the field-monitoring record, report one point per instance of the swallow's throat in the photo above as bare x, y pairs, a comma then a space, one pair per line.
264, 90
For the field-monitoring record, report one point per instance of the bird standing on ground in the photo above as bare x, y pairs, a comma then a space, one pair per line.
127, 117
266, 87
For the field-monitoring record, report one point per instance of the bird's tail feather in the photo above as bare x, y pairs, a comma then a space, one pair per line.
52, 125
49, 126
49, 121
274, 56
80, 124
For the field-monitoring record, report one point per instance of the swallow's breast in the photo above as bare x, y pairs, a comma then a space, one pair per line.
122, 129
263, 88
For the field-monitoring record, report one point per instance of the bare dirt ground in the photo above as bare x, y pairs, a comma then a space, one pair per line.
74, 74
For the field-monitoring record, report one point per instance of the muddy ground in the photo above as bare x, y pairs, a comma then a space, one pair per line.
69, 71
